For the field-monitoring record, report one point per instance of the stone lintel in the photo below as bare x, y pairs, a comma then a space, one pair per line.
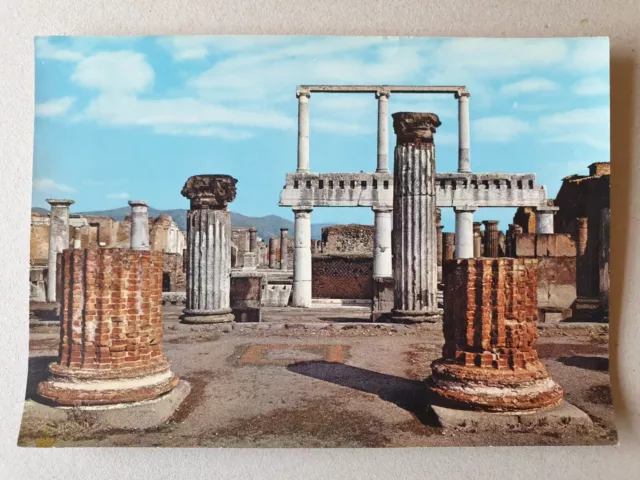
391, 88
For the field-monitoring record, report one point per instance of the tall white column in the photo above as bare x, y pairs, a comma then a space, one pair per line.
58, 241
464, 231
464, 137
383, 131
383, 225
301, 294
139, 225
303, 130
544, 219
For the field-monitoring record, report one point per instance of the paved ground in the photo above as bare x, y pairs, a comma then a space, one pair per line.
322, 386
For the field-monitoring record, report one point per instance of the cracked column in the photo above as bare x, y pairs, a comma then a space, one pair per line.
284, 249
383, 131
464, 231
209, 248
414, 218
58, 241
139, 225
544, 219
464, 138
301, 294
383, 225
303, 130
477, 239
491, 238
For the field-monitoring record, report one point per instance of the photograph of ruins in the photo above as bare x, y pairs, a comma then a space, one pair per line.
191, 286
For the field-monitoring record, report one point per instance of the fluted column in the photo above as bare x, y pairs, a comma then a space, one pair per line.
383, 130
303, 130
139, 225
58, 241
383, 225
491, 239
477, 239
464, 231
284, 249
414, 218
301, 291
209, 248
464, 137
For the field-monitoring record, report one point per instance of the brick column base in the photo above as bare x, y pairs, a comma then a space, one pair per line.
111, 330
489, 360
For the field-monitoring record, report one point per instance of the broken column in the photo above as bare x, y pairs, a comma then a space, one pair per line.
489, 360
273, 252
464, 231
477, 239
209, 248
58, 241
544, 219
491, 239
383, 225
284, 249
111, 330
301, 290
139, 225
414, 223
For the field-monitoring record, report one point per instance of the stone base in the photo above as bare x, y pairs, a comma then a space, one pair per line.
130, 416
415, 316
562, 415
206, 316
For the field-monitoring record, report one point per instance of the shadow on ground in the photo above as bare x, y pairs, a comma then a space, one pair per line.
38, 372
589, 363
410, 395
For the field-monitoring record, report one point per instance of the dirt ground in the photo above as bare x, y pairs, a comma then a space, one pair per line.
286, 384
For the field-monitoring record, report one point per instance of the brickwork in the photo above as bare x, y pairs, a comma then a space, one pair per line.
111, 329
342, 276
347, 239
489, 360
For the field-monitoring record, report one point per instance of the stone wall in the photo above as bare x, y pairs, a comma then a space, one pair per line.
344, 276
525, 217
240, 241
174, 277
39, 251
347, 239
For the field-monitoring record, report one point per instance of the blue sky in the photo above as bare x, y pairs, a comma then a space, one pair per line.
121, 118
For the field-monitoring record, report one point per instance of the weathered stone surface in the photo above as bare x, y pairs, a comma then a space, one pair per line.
139, 225
111, 330
210, 191
58, 241
489, 360
276, 295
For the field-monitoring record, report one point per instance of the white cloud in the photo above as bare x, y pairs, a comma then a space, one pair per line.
530, 107
124, 71
591, 86
578, 117
46, 51
590, 55
49, 185
53, 108
498, 129
195, 47
580, 139
218, 132
117, 196
529, 85
585, 126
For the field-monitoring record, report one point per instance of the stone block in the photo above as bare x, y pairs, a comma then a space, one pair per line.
246, 290
525, 245
555, 245
276, 295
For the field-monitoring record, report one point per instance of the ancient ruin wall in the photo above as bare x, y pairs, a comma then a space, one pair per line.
344, 276
347, 239
174, 275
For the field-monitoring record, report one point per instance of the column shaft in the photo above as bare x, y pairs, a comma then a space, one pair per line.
491, 239
58, 241
139, 225
284, 249
301, 294
303, 131
464, 137
273, 252
464, 232
383, 131
383, 225
477, 239
253, 241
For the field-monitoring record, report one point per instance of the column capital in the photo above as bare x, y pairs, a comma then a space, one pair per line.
60, 202
210, 192
383, 92
462, 94
465, 208
302, 209
414, 127
283, 230
491, 223
547, 209
303, 93
382, 209
138, 203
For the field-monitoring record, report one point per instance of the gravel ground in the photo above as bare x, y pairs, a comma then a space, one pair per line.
292, 397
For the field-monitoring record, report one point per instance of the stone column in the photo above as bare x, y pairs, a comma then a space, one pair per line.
414, 223
284, 249
301, 294
273, 252
111, 330
440, 250
489, 359
383, 131
477, 239
139, 225
58, 241
209, 247
583, 265
253, 240
544, 219
448, 246
303, 131
464, 231
464, 138
383, 225
491, 239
